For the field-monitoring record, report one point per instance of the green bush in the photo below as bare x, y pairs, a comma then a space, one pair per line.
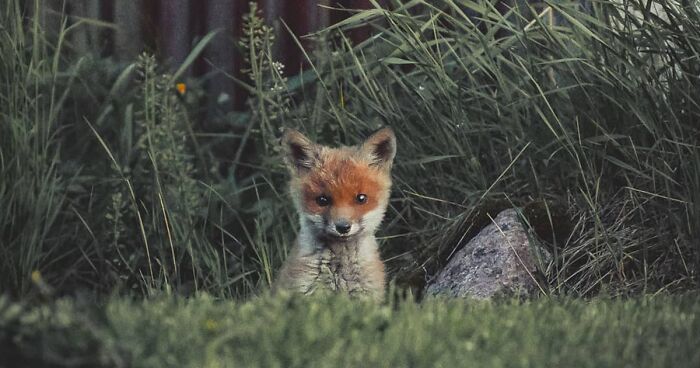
336, 331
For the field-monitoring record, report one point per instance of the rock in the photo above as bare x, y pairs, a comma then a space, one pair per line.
496, 262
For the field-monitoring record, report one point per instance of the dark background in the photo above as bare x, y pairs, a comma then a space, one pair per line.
171, 28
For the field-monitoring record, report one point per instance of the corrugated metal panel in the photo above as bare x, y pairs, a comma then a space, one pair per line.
128, 39
172, 27
85, 41
223, 15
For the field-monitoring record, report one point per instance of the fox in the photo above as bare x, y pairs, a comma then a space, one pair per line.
341, 195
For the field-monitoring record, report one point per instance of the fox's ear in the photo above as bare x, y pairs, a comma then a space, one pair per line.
298, 151
381, 148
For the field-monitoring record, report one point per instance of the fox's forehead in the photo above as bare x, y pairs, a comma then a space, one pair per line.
343, 170
328, 156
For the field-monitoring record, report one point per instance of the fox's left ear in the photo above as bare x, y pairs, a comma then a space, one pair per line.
299, 151
381, 148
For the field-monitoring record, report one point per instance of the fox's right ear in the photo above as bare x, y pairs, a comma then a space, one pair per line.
380, 147
298, 150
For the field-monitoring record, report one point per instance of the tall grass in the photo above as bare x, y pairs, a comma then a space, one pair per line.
583, 117
106, 184
32, 188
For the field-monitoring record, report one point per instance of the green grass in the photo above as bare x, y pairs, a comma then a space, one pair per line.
335, 331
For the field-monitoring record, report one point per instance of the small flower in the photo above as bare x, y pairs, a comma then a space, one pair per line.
210, 324
181, 88
36, 276
44, 288
278, 66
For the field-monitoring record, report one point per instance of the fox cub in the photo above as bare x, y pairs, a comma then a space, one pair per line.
341, 195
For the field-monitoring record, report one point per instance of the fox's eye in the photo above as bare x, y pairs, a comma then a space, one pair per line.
361, 198
323, 201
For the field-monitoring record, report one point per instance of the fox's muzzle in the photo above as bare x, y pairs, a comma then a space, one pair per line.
343, 226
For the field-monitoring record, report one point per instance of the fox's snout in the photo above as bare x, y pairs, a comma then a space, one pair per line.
343, 226
342, 221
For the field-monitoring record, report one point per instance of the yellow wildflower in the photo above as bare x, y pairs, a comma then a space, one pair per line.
36, 276
210, 324
181, 88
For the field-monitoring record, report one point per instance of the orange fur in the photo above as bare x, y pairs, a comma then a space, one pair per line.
342, 180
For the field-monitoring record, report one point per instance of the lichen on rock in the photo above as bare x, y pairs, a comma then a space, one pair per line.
496, 262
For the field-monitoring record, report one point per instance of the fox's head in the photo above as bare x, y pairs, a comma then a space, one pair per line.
343, 192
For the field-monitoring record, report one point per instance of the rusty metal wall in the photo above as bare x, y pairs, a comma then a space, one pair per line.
171, 28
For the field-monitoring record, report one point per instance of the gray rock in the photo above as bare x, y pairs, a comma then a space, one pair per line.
496, 262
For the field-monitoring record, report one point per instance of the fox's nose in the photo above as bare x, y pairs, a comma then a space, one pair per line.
343, 226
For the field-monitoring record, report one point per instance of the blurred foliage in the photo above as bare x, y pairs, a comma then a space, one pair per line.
335, 331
